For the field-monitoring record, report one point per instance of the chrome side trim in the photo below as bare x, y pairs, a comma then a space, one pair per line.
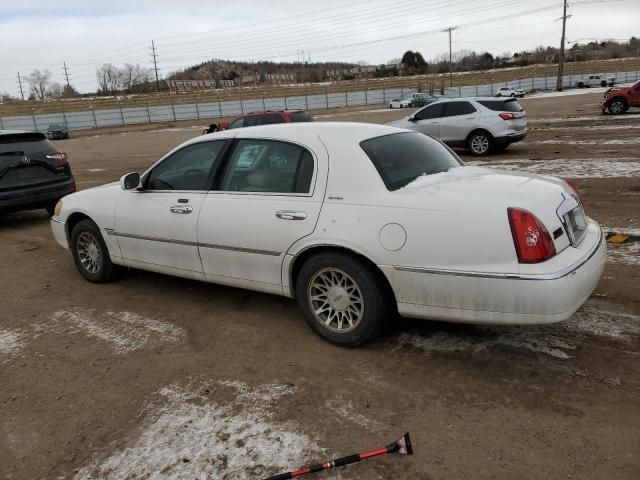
55, 220
110, 231
240, 249
505, 276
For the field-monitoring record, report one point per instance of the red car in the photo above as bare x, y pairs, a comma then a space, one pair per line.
267, 117
619, 99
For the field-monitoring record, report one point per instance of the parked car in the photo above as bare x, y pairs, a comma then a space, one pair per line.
57, 131
396, 103
267, 117
619, 99
595, 81
481, 124
355, 221
509, 92
33, 173
422, 100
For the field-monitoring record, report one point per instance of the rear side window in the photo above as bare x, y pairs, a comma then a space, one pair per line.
510, 105
305, 117
400, 158
253, 120
452, 109
268, 166
237, 123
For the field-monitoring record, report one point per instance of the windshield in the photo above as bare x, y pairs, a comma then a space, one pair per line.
400, 158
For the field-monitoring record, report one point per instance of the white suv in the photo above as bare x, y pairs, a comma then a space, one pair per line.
480, 124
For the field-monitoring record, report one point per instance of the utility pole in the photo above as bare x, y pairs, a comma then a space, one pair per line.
66, 74
20, 85
450, 29
155, 64
561, 58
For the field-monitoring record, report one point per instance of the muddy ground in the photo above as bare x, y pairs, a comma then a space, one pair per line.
153, 376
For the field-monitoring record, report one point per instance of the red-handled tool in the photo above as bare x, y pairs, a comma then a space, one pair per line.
401, 446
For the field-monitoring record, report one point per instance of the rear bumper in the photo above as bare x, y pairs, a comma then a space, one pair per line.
473, 297
507, 139
36, 197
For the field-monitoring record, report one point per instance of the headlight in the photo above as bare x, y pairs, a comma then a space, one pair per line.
58, 209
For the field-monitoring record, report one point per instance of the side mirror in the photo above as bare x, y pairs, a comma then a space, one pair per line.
412, 118
130, 181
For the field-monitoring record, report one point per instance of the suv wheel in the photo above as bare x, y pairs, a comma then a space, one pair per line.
480, 143
90, 253
580, 84
617, 107
342, 299
603, 83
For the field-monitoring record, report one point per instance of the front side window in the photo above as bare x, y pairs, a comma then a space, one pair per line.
268, 166
270, 118
400, 158
432, 111
186, 169
237, 123
305, 117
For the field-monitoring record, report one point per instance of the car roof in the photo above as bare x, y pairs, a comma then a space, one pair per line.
261, 112
306, 131
13, 132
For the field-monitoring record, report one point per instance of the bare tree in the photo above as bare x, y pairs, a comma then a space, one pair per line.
55, 90
108, 77
40, 82
132, 76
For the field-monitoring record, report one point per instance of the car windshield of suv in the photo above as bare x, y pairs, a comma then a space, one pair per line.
510, 105
400, 158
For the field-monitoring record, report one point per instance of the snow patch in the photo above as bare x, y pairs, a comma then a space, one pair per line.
558, 141
125, 331
566, 93
570, 167
625, 253
603, 321
11, 342
92, 170
190, 436
345, 410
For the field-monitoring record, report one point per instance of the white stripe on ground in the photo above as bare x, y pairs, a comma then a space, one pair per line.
11, 343
569, 167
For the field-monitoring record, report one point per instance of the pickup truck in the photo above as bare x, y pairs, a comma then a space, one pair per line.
595, 81
618, 100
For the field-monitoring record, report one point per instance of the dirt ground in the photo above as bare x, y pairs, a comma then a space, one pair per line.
159, 377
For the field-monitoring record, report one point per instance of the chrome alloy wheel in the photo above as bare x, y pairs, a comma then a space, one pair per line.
335, 300
89, 253
480, 144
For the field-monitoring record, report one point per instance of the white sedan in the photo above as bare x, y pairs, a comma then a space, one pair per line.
396, 103
509, 92
354, 220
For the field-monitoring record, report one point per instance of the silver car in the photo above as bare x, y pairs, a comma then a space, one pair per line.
480, 124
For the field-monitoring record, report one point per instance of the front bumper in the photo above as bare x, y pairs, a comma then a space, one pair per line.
500, 299
36, 197
59, 230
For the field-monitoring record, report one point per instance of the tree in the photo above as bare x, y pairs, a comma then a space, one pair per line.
108, 77
415, 62
7, 97
133, 76
486, 61
55, 90
39, 81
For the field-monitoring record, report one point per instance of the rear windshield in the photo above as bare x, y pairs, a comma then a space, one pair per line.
24, 143
300, 117
400, 158
509, 105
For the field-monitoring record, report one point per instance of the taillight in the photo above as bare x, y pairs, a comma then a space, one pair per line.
531, 239
61, 157
573, 186
507, 116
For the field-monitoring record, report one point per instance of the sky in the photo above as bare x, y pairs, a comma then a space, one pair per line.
86, 33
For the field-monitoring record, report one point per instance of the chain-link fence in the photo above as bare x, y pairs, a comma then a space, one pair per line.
207, 110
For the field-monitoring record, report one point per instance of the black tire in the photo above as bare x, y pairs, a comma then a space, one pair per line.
375, 304
513, 95
480, 143
105, 270
580, 84
498, 95
618, 106
51, 208
603, 83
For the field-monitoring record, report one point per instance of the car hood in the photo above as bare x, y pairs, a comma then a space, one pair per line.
402, 123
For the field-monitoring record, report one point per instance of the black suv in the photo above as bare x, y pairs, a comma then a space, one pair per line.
33, 174
57, 131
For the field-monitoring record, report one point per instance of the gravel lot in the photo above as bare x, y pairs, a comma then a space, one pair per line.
154, 376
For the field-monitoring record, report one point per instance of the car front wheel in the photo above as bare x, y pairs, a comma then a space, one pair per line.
342, 298
90, 253
617, 107
480, 143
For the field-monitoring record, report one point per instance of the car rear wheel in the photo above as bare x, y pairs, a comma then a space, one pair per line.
580, 84
480, 143
90, 253
342, 298
617, 107
603, 83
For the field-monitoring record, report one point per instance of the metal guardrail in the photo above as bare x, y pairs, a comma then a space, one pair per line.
122, 116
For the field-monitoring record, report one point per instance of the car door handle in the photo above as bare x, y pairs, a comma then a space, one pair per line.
291, 214
181, 209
